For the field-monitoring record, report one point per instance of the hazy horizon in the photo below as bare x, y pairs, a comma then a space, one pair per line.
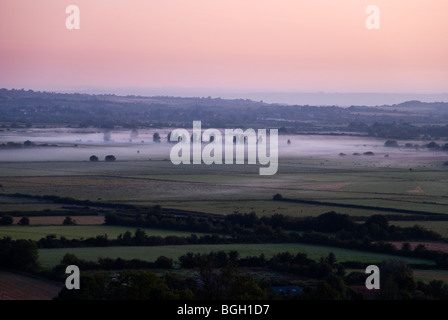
341, 99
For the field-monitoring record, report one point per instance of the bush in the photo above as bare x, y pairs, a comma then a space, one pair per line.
110, 158
25, 221
163, 262
391, 143
432, 145
156, 137
68, 221
277, 197
6, 220
28, 143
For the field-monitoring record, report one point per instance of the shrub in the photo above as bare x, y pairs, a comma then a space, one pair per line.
110, 158
277, 197
68, 221
25, 221
391, 143
6, 220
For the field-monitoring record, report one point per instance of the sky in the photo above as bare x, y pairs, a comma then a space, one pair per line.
245, 45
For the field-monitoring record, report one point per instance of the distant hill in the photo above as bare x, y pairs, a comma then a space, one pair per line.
26, 108
341, 99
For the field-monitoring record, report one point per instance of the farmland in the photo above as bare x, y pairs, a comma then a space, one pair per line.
312, 179
78, 232
12, 287
230, 189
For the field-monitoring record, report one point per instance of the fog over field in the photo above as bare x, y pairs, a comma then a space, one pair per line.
67, 144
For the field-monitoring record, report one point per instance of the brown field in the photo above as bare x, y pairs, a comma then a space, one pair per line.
417, 190
18, 287
52, 220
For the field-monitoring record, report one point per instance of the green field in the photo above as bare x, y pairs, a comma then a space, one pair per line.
79, 232
50, 257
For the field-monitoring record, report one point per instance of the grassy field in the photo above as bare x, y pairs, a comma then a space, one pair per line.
227, 189
78, 232
50, 257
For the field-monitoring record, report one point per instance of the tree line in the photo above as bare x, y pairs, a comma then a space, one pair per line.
219, 277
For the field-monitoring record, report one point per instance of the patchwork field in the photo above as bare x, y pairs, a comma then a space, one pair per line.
228, 189
402, 183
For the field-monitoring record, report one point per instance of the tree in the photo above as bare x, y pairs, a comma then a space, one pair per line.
277, 197
19, 254
28, 143
140, 237
432, 145
134, 134
93, 158
68, 221
6, 220
228, 283
397, 280
25, 255
106, 136
406, 247
157, 210
379, 220
110, 158
111, 219
168, 138
324, 291
156, 137
163, 262
25, 221
391, 144
331, 259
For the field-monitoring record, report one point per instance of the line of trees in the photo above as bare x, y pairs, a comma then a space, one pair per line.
219, 278
375, 228
140, 238
19, 255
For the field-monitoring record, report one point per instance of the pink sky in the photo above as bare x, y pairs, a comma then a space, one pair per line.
312, 45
